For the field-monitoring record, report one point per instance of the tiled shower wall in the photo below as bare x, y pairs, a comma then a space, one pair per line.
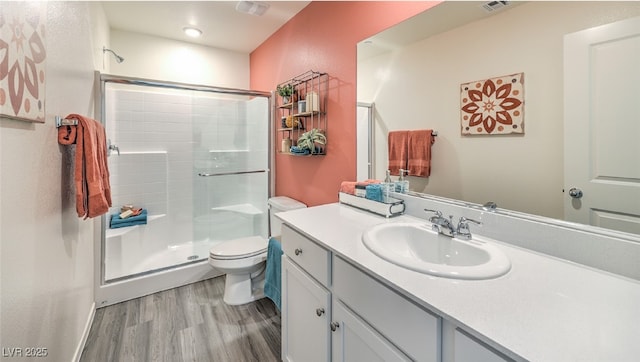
167, 137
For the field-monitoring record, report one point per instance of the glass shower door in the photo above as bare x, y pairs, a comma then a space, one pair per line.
232, 183
196, 161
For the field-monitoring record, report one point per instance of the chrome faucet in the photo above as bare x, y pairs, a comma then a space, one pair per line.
462, 231
441, 224
444, 226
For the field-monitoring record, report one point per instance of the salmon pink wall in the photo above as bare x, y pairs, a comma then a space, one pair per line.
323, 37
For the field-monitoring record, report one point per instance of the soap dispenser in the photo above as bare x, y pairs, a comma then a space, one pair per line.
388, 186
402, 185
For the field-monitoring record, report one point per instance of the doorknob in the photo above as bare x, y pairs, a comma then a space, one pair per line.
575, 193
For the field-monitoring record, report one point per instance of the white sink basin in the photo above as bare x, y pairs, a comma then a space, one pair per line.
415, 246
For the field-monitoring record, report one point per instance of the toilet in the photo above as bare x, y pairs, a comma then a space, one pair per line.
243, 260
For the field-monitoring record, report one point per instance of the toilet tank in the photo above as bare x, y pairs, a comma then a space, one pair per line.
278, 204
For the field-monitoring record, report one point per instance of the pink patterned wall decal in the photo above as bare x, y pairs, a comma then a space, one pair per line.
22, 60
493, 106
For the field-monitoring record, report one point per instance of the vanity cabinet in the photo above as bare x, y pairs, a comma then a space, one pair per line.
467, 349
305, 316
413, 329
353, 340
302, 112
306, 300
333, 311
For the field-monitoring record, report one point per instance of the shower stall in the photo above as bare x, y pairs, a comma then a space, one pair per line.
196, 158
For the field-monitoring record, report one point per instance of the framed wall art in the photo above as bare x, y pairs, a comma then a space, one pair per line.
493, 106
22, 60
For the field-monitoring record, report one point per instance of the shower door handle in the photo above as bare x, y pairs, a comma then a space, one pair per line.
204, 174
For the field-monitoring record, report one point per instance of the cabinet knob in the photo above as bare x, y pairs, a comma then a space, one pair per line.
298, 251
334, 326
319, 312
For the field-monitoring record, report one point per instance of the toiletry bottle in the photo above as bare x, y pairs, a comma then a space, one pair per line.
398, 185
402, 185
387, 186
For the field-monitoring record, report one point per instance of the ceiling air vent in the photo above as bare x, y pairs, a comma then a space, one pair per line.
494, 5
257, 8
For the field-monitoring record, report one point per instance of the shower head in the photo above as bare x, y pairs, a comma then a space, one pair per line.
119, 59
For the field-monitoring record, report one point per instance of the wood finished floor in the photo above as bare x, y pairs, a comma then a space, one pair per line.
189, 323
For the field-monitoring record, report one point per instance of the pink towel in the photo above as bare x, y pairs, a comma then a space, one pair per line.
93, 192
349, 187
398, 151
419, 152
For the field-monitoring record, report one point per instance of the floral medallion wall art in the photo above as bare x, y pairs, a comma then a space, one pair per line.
493, 106
22, 60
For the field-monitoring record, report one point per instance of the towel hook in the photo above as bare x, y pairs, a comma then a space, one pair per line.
65, 122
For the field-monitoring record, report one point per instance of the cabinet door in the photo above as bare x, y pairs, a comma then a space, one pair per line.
305, 316
467, 349
354, 341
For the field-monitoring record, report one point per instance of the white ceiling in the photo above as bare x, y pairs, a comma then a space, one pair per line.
443, 17
222, 26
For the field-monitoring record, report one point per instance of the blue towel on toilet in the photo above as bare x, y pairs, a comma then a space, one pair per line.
273, 274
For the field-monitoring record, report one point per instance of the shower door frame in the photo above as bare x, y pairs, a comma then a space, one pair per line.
137, 285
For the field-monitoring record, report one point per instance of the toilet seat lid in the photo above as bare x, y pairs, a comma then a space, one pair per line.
239, 248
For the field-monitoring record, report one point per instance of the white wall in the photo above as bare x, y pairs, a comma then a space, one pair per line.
417, 87
164, 59
47, 252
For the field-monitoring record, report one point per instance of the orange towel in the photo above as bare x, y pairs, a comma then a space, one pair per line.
348, 187
419, 152
93, 192
67, 135
397, 151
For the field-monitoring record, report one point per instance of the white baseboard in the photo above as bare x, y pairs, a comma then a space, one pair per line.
85, 333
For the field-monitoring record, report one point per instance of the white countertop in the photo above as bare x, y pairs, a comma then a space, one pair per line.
543, 309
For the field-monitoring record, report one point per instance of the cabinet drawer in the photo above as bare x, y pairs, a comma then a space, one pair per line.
313, 258
414, 330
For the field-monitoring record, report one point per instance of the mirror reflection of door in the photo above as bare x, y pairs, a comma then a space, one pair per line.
602, 126
364, 135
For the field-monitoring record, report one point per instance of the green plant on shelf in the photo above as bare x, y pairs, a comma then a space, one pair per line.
308, 140
286, 91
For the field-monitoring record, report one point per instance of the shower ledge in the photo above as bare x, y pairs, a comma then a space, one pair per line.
112, 233
229, 151
241, 208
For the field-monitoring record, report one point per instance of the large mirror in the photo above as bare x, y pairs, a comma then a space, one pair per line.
412, 74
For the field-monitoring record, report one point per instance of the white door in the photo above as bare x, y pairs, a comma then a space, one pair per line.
602, 126
364, 141
305, 316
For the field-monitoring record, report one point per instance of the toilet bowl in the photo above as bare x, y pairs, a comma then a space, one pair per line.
243, 260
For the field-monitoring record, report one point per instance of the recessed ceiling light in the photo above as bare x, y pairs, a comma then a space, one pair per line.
192, 32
